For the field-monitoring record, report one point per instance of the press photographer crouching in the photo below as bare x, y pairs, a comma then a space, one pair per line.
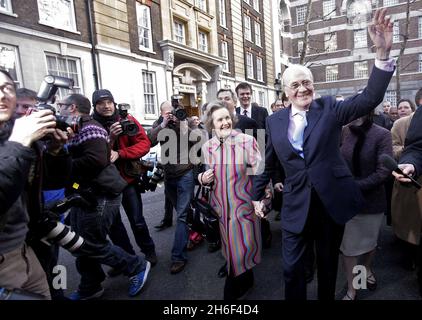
25, 166
94, 174
129, 143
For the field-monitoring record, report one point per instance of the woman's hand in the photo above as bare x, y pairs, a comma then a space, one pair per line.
206, 177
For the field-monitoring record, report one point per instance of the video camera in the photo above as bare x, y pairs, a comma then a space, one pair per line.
46, 94
178, 109
129, 127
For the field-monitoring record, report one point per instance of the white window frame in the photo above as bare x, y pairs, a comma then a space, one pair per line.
258, 34
360, 39
420, 62
331, 73
7, 8
396, 31
222, 13
202, 45
77, 87
142, 28
259, 69
247, 27
420, 28
389, 3
225, 55
300, 45
201, 4
391, 95
261, 98
249, 65
55, 23
255, 5
180, 38
360, 69
300, 14
330, 41
329, 9
247, 1
10, 61
148, 94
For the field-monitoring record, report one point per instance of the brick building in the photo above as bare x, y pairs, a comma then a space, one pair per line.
339, 53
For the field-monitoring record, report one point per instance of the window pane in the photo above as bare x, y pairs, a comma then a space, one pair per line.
331, 73
301, 14
57, 13
149, 92
64, 67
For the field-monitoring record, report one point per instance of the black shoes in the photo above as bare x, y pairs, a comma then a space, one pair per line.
163, 225
177, 266
152, 258
222, 272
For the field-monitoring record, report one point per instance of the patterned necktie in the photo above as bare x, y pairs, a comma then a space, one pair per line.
245, 113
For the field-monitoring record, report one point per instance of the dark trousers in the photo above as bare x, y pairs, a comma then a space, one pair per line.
132, 203
235, 287
93, 224
168, 210
48, 257
327, 236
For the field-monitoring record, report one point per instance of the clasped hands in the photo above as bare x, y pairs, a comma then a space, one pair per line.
261, 207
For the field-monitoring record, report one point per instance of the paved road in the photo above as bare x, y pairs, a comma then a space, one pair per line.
199, 280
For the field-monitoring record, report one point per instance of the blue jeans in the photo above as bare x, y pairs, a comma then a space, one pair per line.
93, 225
132, 203
180, 191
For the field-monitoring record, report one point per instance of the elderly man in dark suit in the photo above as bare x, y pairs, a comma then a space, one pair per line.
320, 194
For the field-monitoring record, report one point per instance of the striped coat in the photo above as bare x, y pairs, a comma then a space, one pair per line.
231, 198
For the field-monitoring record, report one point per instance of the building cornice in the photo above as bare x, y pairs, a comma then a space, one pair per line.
106, 49
192, 54
43, 35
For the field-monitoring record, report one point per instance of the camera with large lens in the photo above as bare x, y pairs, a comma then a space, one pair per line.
129, 127
156, 177
178, 110
51, 231
46, 94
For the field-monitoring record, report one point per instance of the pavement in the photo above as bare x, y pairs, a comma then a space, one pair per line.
199, 280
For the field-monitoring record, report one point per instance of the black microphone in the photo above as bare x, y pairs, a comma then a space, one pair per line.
391, 164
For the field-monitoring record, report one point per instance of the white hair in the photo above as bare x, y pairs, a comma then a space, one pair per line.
287, 74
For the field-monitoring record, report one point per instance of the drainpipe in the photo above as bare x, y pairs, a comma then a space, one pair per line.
92, 41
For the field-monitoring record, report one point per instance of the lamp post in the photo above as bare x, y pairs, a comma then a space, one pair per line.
277, 85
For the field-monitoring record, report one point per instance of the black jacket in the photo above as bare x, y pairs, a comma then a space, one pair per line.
412, 152
259, 114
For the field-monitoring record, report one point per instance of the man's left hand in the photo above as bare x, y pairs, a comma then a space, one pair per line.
381, 33
115, 130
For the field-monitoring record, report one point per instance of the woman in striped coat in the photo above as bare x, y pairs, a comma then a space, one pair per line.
231, 158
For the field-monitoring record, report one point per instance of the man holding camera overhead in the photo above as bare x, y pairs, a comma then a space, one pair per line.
173, 134
129, 143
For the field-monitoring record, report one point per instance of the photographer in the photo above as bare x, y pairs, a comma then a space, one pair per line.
22, 169
178, 176
127, 146
93, 174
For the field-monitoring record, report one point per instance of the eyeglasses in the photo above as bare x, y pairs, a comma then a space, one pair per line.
8, 89
63, 104
296, 85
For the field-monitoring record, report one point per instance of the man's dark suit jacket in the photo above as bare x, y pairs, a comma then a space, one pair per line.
244, 123
412, 152
259, 114
323, 168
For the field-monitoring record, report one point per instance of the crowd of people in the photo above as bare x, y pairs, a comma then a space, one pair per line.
316, 161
